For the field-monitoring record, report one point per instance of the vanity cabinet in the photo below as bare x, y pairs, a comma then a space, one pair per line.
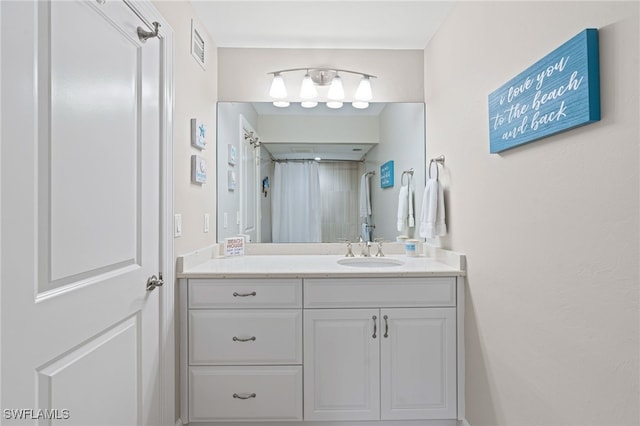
379, 350
372, 359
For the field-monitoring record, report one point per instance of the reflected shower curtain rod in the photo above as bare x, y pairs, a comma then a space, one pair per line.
301, 160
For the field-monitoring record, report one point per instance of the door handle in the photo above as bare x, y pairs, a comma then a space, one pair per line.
154, 282
238, 339
386, 326
236, 396
375, 326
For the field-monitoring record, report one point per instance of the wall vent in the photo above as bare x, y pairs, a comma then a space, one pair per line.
197, 45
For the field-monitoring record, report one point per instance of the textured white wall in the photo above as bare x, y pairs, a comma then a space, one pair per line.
195, 97
551, 229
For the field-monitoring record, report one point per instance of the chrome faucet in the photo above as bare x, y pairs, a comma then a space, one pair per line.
379, 241
365, 248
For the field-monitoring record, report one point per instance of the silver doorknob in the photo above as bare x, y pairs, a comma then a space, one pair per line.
154, 282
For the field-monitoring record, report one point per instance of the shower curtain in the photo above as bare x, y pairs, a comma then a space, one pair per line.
296, 211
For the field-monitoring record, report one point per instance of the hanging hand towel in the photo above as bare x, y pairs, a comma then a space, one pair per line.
365, 196
432, 222
403, 207
412, 220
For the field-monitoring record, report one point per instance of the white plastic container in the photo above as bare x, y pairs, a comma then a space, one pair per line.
411, 247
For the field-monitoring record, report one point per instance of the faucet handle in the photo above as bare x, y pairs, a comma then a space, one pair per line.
380, 241
349, 252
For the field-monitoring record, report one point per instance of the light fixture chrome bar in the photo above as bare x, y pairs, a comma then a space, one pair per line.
364, 74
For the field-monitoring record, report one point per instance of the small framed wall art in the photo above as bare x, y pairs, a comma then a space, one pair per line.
198, 169
386, 175
198, 134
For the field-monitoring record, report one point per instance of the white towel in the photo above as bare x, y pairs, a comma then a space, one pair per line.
403, 207
412, 220
365, 196
432, 215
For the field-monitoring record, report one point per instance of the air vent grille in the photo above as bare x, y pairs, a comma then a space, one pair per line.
197, 45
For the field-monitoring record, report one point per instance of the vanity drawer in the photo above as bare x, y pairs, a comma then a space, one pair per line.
262, 393
245, 293
379, 292
239, 337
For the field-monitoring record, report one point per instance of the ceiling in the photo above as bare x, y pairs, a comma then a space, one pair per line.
322, 24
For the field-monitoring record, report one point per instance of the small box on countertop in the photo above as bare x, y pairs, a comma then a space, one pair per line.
234, 246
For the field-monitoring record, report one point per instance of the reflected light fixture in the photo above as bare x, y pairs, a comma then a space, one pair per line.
314, 77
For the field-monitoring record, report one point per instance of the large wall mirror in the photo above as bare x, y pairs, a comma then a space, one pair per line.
290, 175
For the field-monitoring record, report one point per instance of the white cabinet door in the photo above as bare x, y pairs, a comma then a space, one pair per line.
341, 364
418, 363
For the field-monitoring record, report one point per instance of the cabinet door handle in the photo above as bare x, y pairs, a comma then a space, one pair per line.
386, 326
250, 339
236, 396
236, 294
375, 326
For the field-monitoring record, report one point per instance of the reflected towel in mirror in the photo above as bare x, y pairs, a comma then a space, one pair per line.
365, 196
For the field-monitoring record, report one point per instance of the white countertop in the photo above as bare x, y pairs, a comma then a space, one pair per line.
315, 266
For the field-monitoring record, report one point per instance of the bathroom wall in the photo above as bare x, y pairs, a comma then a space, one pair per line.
550, 229
195, 94
243, 73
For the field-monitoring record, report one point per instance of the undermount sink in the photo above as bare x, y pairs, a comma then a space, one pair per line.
370, 262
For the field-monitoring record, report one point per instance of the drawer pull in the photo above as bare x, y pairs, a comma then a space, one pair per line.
236, 396
236, 294
250, 339
386, 326
375, 326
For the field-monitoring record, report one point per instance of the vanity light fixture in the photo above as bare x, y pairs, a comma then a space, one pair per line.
321, 77
364, 93
308, 92
278, 91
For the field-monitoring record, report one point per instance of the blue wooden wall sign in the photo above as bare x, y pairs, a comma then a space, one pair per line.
559, 92
386, 174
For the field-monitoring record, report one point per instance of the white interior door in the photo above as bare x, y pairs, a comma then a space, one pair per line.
80, 215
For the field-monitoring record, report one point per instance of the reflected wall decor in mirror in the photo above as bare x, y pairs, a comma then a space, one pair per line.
313, 175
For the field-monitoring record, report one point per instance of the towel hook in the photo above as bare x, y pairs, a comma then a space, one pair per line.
436, 160
408, 173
